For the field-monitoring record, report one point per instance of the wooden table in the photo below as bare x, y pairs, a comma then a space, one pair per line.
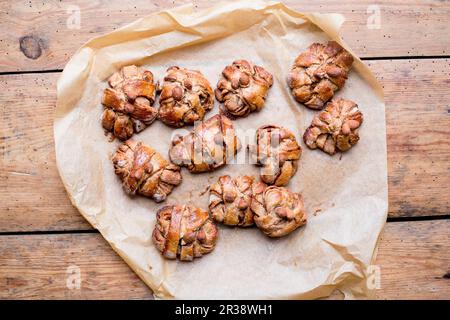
42, 236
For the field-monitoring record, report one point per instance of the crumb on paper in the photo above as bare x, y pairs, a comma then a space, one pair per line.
202, 192
317, 211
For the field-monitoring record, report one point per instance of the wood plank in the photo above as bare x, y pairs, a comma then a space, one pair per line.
46, 266
414, 259
418, 130
36, 34
32, 196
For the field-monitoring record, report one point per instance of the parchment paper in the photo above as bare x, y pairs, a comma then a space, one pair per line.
345, 197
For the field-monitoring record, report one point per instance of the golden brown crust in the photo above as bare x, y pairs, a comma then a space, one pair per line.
230, 201
335, 128
243, 88
242, 201
186, 96
277, 211
184, 232
318, 73
129, 102
278, 152
210, 145
145, 171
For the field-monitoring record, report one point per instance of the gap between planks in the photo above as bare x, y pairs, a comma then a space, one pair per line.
425, 57
91, 231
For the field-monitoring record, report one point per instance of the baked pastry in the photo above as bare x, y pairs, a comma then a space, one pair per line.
129, 102
185, 97
335, 128
241, 201
230, 200
318, 73
145, 171
277, 211
278, 152
243, 88
210, 145
184, 232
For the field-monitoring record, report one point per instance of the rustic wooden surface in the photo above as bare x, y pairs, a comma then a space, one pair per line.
36, 266
409, 28
41, 234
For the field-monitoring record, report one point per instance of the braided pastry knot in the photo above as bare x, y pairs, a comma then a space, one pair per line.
145, 171
185, 97
210, 145
184, 232
241, 201
243, 88
335, 128
230, 201
277, 211
129, 102
318, 73
278, 152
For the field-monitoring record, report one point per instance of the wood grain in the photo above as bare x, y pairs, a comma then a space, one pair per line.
38, 35
418, 131
32, 196
45, 266
414, 259
418, 126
